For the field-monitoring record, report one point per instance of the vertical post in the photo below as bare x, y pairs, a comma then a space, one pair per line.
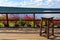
47, 29
34, 19
53, 29
41, 29
7, 19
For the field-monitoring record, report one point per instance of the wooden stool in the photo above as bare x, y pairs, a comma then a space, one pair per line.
49, 25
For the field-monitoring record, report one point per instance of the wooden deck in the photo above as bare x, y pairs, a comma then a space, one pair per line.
26, 35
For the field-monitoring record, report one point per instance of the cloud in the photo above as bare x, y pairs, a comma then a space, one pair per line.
44, 4
47, 15
9, 3
51, 15
31, 3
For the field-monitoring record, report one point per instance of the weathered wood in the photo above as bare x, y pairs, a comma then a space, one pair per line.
49, 21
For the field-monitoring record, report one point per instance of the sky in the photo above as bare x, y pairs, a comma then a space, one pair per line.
31, 3
56, 16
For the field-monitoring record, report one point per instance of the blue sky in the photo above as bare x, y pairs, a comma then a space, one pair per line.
31, 3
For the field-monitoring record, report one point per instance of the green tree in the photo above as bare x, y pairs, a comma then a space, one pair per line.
32, 23
11, 24
22, 23
1, 24
43, 23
